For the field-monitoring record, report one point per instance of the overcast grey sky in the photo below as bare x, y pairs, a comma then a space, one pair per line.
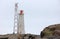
38, 14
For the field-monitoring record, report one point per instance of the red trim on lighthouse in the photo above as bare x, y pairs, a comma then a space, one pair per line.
21, 12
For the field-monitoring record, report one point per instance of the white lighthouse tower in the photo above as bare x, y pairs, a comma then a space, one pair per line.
20, 27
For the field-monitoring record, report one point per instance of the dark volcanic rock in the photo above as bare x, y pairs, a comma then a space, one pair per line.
52, 30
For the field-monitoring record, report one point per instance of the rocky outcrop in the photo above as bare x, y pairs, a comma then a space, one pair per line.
52, 30
20, 36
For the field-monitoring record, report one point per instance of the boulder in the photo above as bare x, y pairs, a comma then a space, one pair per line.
51, 30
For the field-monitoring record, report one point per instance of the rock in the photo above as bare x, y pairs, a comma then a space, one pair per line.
52, 30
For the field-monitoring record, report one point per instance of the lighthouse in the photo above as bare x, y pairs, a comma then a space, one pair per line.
20, 27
